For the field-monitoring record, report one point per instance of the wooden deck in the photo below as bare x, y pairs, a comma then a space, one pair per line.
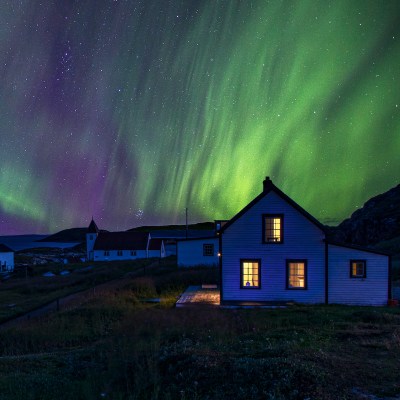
195, 296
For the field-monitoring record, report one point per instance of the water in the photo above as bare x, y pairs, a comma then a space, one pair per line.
22, 242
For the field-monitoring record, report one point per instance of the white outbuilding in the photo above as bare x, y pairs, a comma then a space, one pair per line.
198, 251
6, 259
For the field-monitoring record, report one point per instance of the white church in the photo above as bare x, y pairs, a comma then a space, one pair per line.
117, 246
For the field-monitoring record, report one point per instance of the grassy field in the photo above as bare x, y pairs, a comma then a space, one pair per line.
25, 292
117, 347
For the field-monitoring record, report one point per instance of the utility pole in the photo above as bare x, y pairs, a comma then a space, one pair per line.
186, 223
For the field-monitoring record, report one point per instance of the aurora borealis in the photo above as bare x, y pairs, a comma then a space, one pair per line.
131, 111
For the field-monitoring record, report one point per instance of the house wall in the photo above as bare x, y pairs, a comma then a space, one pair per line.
190, 252
8, 260
372, 290
126, 255
302, 240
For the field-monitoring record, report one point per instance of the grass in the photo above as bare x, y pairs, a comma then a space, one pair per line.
116, 347
24, 292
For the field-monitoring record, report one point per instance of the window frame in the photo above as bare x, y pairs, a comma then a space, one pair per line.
133, 253
264, 217
365, 269
106, 253
211, 245
252, 260
120, 253
297, 260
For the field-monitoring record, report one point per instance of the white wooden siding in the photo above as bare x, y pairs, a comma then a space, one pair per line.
372, 290
113, 255
190, 252
301, 240
7, 262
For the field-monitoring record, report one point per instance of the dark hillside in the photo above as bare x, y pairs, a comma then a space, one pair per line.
199, 226
376, 224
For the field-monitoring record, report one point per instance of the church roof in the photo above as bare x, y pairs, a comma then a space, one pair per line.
155, 244
93, 227
121, 241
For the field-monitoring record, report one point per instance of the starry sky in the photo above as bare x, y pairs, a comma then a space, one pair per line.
131, 111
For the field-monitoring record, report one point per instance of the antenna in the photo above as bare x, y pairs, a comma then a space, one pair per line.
186, 209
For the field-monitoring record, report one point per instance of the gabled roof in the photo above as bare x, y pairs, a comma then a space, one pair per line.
92, 227
268, 188
180, 234
155, 244
121, 241
5, 249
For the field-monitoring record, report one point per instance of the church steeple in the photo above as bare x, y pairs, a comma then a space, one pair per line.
91, 236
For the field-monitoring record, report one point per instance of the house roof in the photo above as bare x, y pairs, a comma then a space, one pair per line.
5, 249
198, 238
356, 247
268, 188
121, 241
92, 227
155, 244
180, 234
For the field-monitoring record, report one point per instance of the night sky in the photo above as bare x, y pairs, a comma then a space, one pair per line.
131, 111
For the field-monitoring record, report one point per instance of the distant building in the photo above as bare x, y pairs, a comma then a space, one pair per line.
198, 251
6, 259
275, 251
116, 246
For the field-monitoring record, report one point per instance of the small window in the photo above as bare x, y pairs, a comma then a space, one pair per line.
296, 274
358, 269
133, 253
208, 249
119, 253
250, 274
106, 253
273, 228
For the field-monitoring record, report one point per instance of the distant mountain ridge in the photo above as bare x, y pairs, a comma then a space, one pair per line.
79, 234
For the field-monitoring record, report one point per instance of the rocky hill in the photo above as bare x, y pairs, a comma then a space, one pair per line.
376, 224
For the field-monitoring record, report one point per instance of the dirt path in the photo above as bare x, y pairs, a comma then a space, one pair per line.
76, 299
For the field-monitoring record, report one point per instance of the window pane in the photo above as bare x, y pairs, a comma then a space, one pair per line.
273, 231
358, 268
296, 275
250, 274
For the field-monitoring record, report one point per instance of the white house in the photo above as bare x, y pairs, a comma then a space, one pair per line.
117, 246
198, 251
275, 251
6, 259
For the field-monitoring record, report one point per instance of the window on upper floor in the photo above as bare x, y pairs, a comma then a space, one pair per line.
208, 249
358, 269
250, 274
273, 228
296, 274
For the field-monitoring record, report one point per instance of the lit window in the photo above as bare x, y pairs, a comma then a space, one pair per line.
296, 274
250, 274
358, 269
273, 228
208, 249
119, 253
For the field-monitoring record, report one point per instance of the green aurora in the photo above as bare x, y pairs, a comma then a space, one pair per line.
132, 111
